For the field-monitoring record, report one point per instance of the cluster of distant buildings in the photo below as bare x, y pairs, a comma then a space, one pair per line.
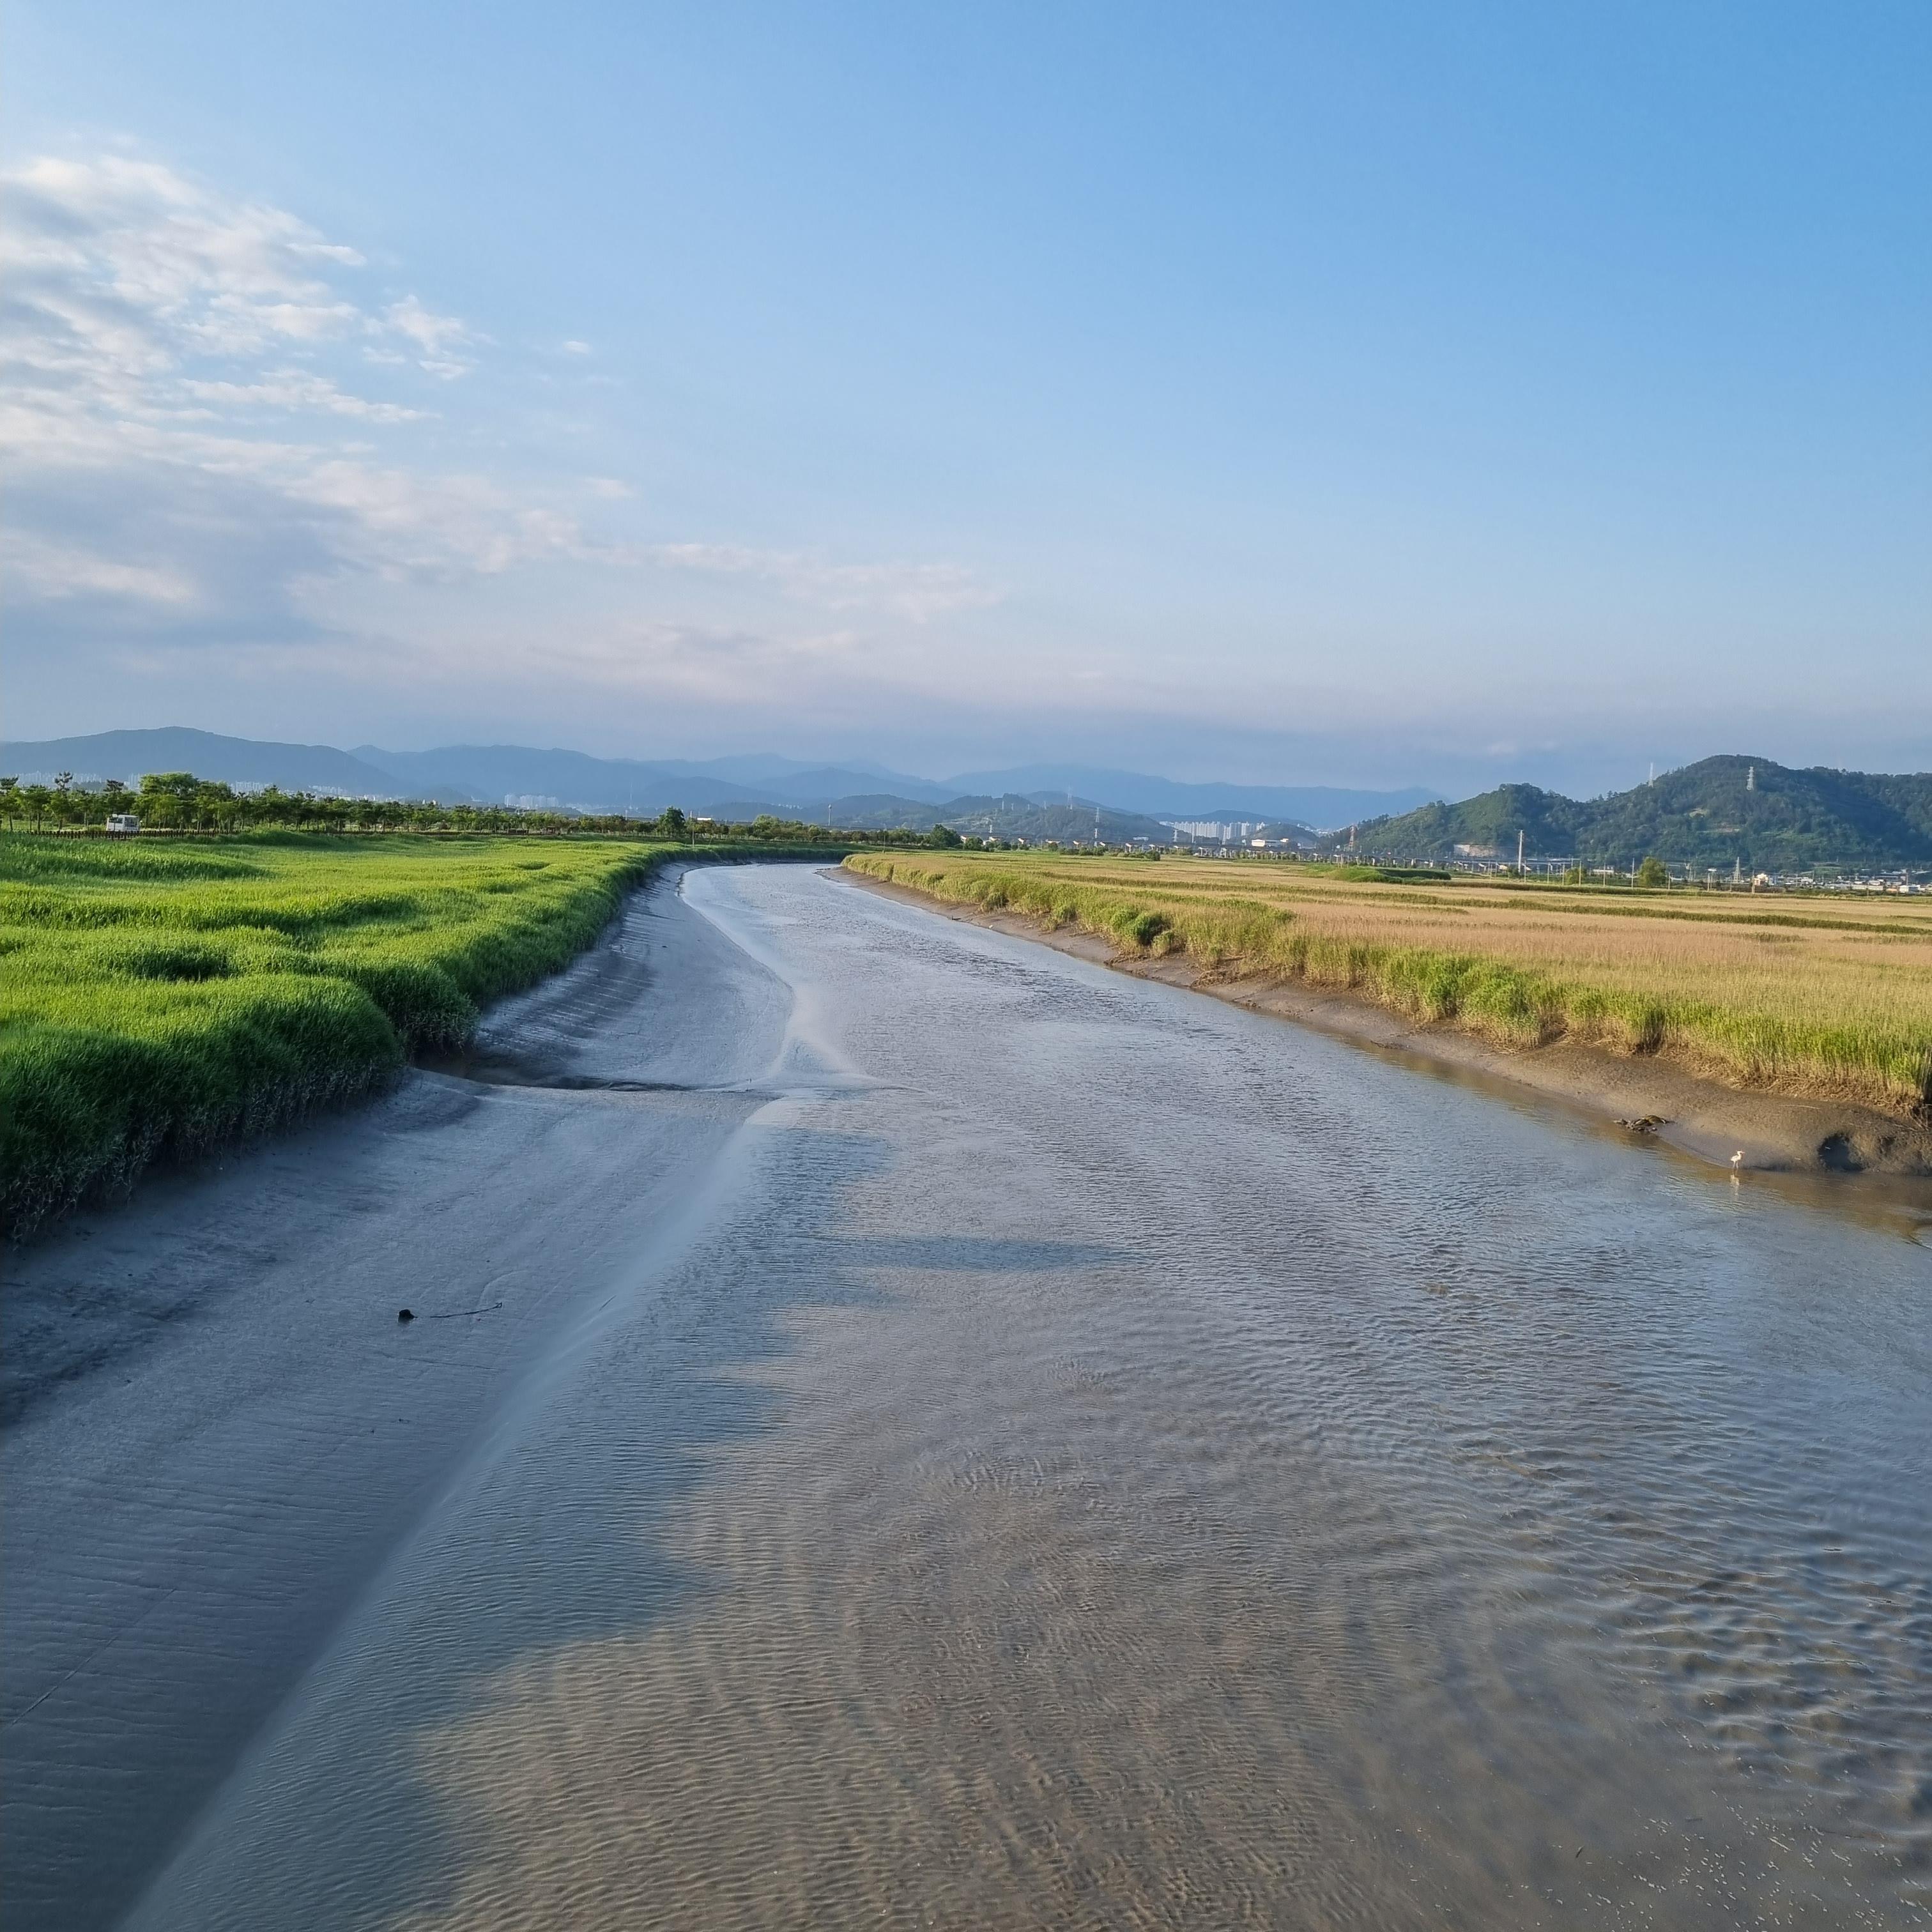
1489, 859
1871, 882
1250, 834
1215, 831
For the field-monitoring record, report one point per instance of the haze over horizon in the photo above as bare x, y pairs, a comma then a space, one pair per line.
1373, 398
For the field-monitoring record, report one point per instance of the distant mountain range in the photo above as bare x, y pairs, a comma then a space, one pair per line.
1009, 817
1009, 802
126, 755
1726, 812
1325, 806
1721, 811
497, 772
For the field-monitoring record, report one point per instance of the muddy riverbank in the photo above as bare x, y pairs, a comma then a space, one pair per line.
1647, 1096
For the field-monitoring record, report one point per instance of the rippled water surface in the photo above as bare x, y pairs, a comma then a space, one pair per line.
1086, 1454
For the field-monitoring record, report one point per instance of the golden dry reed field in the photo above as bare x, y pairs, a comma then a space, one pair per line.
1817, 995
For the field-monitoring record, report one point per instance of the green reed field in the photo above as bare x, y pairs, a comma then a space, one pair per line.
1808, 995
157, 998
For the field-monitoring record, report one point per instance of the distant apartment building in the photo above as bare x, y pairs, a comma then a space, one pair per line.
1215, 831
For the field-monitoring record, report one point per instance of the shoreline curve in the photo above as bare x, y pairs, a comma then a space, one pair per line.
1650, 1099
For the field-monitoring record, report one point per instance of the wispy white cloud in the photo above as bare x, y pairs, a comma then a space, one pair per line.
159, 343
438, 338
219, 435
122, 267
917, 591
293, 390
55, 571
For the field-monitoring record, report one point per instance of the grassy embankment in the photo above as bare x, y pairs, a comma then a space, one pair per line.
1803, 996
159, 998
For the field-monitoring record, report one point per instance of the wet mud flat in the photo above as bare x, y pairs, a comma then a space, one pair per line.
979, 1440
216, 1428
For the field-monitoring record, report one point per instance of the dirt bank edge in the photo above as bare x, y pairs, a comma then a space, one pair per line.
1776, 1132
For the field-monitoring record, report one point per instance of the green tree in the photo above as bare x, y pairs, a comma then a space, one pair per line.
1652, 872
943, 836
167, 798
69, 807
214, 805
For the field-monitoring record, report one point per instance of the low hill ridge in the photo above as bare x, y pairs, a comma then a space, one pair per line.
1733, 810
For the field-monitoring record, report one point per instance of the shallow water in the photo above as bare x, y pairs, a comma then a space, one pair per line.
1081, 1453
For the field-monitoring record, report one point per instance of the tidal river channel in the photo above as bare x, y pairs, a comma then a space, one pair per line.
904, 1427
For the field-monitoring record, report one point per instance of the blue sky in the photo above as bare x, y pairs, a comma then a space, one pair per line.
1343, 393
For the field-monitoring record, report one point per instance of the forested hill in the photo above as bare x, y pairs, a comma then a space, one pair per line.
1719, 812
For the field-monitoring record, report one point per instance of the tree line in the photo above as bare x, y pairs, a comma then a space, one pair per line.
180, 802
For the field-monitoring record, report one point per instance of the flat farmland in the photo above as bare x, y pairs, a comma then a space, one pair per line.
160, 998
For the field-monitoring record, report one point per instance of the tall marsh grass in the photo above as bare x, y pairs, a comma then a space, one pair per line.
158, 998
1815, 998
